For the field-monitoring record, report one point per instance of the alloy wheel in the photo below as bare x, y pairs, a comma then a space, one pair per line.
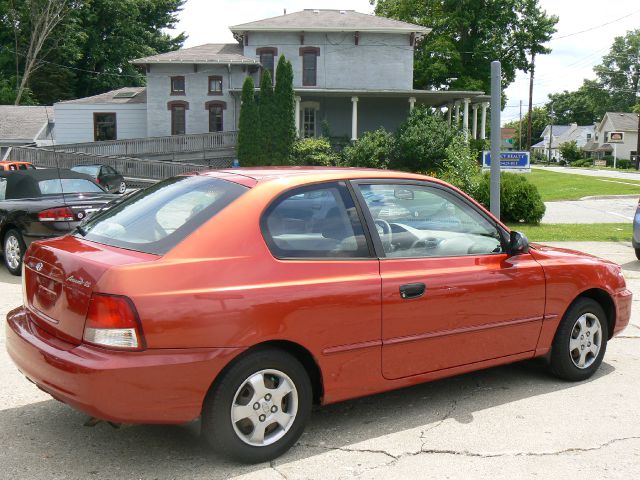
12, 252
585, 340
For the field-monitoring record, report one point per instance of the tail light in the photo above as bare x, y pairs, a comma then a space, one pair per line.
112, 322
60, 214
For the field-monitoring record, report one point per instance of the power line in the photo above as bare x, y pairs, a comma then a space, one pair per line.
595, 27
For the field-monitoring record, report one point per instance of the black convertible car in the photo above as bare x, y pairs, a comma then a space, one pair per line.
39, 204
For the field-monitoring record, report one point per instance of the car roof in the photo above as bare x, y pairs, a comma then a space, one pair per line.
315, 174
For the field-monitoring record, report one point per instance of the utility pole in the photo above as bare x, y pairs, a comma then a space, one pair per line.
529, 122
550, 132
496, 107
520, 128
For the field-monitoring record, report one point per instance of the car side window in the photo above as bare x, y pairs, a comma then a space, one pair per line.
423, 221
319, 221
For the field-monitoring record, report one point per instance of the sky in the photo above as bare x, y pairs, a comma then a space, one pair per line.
572, 58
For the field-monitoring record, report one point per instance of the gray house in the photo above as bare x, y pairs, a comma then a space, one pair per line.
353, 73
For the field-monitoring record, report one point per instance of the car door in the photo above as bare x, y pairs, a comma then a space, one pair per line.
451, 295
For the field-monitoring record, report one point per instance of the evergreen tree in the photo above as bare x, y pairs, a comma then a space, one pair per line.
284, 129
249, 138
267, 114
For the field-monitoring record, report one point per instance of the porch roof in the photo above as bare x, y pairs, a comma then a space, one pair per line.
428, 97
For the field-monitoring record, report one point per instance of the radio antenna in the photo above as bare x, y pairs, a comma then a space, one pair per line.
55, 154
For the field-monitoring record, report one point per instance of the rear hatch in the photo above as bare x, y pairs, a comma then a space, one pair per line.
59, 277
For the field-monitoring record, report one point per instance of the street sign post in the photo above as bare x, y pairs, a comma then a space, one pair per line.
509, 161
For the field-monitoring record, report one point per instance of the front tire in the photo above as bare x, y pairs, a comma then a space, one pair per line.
259, 407
14, 248
122, 188
580, 342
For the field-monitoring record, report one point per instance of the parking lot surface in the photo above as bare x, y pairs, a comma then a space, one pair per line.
504, 423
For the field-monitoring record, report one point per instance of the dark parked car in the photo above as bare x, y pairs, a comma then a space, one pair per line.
40, 204
104, 175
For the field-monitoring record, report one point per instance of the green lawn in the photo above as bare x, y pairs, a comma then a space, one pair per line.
595, 232
566, 186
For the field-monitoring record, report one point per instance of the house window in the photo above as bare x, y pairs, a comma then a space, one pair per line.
309, 65
588, 137
215, 85
267, 59
104, 127
178, 110
216, 115
309, 122
177, 86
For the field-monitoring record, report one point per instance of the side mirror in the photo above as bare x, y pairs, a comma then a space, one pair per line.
518, 243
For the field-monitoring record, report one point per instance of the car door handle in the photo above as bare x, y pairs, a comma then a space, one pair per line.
412, 290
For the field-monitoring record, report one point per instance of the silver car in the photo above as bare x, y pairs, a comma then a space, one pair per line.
635, 241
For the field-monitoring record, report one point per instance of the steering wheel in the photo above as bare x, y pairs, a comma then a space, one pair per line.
385, 233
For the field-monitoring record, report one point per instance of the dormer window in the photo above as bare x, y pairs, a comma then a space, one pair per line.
215, 85
267, 59
309, 65
177, 86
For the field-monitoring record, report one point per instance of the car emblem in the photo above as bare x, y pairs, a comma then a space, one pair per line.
38, 266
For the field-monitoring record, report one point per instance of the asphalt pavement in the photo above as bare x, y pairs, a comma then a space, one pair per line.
592, 210
508, 422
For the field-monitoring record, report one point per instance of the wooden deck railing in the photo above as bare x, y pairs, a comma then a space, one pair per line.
158, 145
129, 167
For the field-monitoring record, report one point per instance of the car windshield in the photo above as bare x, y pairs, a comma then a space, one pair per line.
91, 170
56, 186
156, 219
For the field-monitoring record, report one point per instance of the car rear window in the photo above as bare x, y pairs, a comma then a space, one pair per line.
156, 219
69, 185
91, 170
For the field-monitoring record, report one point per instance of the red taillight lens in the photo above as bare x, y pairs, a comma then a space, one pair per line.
112, 322
61, 214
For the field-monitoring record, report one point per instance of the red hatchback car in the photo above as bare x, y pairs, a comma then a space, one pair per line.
244, 296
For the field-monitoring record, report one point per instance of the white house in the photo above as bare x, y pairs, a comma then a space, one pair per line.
582, 135
618, 122
353, 73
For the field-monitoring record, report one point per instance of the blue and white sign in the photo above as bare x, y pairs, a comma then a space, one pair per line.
518, 161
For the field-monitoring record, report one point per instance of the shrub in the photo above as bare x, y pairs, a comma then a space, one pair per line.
314, 152
624, 163
570, 151
421, 141
520, 200
583, 162
562, 163
372, 150
460, 168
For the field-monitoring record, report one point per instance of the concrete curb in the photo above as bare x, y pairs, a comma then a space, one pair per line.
605, 197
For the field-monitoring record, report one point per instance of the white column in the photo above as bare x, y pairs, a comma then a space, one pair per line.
354, 118
457, 114
412, 103
449, 108
297, 114
483, 121
474, 132
465, 121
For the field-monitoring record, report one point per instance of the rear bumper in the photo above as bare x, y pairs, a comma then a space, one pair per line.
622, 301
154, 386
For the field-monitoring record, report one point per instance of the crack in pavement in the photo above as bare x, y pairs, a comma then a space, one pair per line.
272, 465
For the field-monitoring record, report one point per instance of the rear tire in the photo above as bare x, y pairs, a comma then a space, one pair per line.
14, 248
258, 424
122, 188
580, 342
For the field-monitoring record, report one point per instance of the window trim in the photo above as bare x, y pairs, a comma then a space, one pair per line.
345, 189
309, 50
377, 243
273, 51
215, 103
215, 92
115, 125
178, 92
178, 103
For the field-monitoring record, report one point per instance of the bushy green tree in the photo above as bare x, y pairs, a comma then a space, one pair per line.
314, 152
268, 119
284, 127
249, 137
371, 150
461, 167
570, 151
422, 141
